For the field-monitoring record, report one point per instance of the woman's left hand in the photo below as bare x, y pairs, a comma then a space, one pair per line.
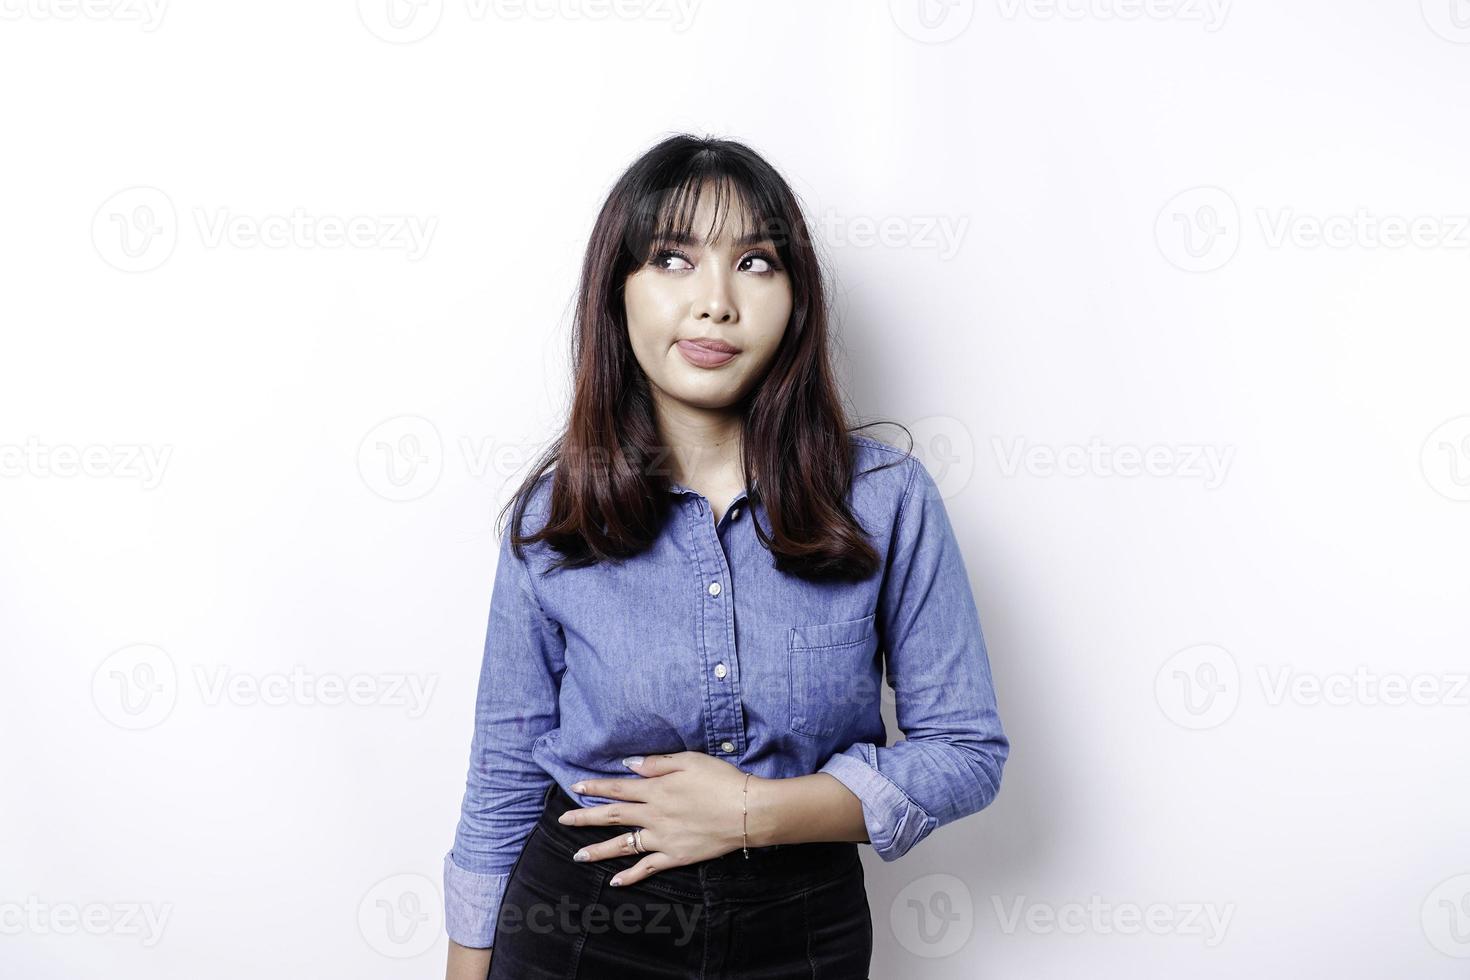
688, 804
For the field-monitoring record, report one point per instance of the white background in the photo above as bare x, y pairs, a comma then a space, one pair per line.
1170, 225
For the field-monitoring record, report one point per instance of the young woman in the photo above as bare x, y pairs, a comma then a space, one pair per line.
678, 742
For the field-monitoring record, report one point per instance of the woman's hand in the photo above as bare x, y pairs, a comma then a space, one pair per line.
688, 803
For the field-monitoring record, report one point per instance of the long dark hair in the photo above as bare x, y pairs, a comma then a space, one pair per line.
610, 486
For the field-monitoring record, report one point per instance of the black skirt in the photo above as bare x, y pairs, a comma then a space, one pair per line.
788, 912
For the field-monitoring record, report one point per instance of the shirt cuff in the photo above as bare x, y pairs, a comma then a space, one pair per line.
895, 823
471, 904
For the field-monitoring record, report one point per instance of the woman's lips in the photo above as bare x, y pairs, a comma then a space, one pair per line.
704, 355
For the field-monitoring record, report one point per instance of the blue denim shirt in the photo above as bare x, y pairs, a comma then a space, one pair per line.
699, 643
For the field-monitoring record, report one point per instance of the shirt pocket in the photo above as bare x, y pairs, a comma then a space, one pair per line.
831, 674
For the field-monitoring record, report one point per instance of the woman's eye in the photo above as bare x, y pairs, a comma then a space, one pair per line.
662, 258
763, 264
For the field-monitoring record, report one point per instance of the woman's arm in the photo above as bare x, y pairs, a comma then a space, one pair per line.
466, 963
948, 765
516, 703
802, 810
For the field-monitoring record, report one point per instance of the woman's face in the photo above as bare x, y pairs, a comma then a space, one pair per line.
729, 293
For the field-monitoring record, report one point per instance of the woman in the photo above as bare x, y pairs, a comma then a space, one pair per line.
678, 742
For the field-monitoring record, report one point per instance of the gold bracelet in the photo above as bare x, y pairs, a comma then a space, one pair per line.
744, 811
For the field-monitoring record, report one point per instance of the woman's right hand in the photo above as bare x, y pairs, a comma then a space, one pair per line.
466, 963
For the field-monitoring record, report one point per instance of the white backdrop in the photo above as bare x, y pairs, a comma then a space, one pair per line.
1170, 291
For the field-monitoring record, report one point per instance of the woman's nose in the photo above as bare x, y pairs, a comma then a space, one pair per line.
714, 301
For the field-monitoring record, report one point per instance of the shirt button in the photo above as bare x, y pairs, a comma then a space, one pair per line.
714, 588
720, 670
727, 746
734, 513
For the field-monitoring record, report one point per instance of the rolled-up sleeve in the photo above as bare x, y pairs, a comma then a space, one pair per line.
516, 702
949, 763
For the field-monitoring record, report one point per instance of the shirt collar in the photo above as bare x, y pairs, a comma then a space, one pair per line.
677, 487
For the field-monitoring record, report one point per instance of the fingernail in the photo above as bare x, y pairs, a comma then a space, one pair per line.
633, 761
564, 817
578, 787
581, 855
616, 881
